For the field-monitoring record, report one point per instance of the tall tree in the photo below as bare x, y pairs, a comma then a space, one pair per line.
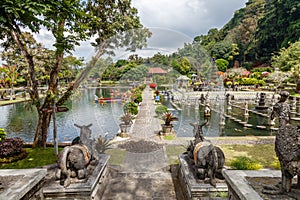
113, 23
279, 27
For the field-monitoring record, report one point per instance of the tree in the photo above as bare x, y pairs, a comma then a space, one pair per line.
222, 64
279, 27
114, 23
288, 61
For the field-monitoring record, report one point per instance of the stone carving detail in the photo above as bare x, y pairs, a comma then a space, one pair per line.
287, 143
207, 160
73, 160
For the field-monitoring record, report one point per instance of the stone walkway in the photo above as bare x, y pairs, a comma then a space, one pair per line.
144, 174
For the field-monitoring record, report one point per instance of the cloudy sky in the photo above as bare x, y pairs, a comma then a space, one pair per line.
172, 23
190, 17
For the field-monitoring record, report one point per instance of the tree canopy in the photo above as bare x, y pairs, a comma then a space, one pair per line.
113, 23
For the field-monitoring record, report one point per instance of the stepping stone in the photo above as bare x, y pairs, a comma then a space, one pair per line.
261, 127
295, 118
248, 125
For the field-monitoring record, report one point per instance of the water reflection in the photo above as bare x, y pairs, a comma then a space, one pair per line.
190, 114
19, 122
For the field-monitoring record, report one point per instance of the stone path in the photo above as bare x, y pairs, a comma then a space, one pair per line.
144, 174
146, 124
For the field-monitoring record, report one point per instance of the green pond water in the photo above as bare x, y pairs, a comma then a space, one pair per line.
21, 122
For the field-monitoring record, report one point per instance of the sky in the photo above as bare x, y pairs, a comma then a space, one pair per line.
190, 17
172, 23
175, 22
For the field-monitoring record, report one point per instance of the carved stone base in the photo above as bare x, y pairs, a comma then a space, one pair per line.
92, 188
249, 184
194, 187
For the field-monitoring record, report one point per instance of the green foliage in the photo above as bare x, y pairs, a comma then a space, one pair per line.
262, 69
245, 163
276, 164
127, 118
182, 65
82, 20
287, 57
279, 27
288, 60
221, 50
36, 158
220, 194
255, 75
168, 118
133, 72
250, 81
160, 110
102, 144
222, 64
169, 137
2, 134
130, 107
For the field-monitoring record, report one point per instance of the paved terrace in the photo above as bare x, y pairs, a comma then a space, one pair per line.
143, 175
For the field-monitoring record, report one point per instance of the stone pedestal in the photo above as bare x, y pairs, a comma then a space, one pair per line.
239, 187
195, 188
20, 184
92, 188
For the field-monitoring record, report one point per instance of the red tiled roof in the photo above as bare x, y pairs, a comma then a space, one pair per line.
157, 70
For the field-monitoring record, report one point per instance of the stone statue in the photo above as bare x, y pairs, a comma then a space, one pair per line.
73, 160
207, 159
287, 143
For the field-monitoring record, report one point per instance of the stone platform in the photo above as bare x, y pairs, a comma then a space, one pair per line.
195, 188
92, 188
20, 184
248, 184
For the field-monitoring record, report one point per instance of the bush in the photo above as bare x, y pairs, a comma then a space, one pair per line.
276, 164
160, 110
130, 107
245, 163
222, 64
11, 147
248, 81
142, 87
138, 98
262, 69
2, 134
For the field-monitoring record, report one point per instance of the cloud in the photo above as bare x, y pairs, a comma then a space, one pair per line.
191, 17
172, 23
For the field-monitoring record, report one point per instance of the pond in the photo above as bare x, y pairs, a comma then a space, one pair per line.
191, 114
18, 121
21, 122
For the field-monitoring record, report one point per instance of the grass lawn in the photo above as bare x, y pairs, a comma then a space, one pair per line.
17, 100
263, 153
172, 153
116, 156
35, 158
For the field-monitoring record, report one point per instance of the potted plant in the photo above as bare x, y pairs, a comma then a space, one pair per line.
126, 122
167, 126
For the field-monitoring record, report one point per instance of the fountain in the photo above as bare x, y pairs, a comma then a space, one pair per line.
262, 102
272, 184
